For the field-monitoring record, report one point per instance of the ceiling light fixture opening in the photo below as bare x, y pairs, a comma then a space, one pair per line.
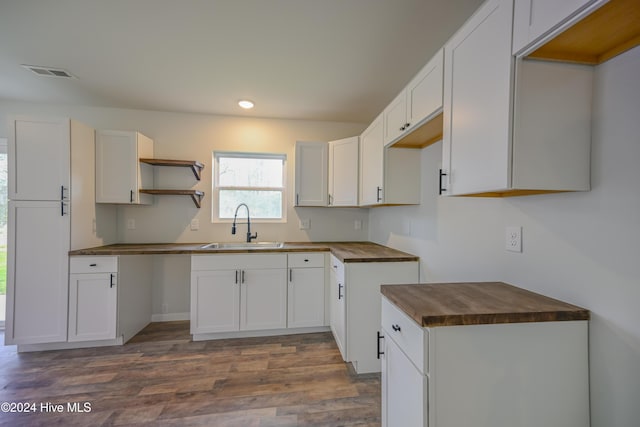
49, 71
246, 104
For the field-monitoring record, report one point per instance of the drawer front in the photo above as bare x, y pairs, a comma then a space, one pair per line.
240, 261
306, 259
93, 264
410, 337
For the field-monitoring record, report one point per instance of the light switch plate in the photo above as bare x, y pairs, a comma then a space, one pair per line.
131, 224
305, 224
195, 224
513, 239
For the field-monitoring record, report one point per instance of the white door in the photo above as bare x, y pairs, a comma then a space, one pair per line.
38, 267
477, 102
395, 118
306, 297
311, 181
372, 163
92, 306
343, 172
404, 387
39, 153
424, 92
116, 167
338, 307
215, 301
263, 299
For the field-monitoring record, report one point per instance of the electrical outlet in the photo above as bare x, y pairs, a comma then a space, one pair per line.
131, 224
513, 241
305, 224
195, 224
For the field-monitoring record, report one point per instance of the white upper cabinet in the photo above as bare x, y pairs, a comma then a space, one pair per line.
40, 150
395, 118
388, 176
372, 163
119, 173
343, 172
311, 182
511, 128
535, 18
413, 118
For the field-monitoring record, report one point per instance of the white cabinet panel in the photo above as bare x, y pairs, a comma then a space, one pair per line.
215, 301
311, 180
338, 307
263, 299
372, 163
38, 263
477, 101
119, 173
395, 118
40, 153
424, 92
306, 297
92, 306
343, 172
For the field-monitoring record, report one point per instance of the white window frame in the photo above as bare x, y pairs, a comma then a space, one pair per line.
215, 190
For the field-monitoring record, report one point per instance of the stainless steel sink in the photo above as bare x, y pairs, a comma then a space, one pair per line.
243, 245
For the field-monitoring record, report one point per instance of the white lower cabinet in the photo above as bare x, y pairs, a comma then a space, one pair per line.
491, 375
306, 289
92, 306
238, 292
355, 306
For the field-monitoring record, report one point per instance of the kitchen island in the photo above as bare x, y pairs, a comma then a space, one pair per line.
482, 354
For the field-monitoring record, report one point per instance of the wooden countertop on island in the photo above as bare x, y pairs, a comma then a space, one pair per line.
450, 304
345, 251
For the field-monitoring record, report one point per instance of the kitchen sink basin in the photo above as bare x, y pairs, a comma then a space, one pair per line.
243, 245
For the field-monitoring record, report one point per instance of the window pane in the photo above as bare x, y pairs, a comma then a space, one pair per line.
249, 172
262, 204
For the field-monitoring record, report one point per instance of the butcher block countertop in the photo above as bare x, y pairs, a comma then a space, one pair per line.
450, 304
344, 251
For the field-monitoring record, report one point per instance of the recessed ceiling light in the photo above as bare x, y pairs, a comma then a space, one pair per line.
49, 71
246, 104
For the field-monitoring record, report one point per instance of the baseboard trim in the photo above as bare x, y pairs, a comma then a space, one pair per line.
169, 317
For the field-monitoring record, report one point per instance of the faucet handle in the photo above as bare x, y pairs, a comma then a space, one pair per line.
251, 237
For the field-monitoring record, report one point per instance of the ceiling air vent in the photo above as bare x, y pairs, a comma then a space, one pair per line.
49, 71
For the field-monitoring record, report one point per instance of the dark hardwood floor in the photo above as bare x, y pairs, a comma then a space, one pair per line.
161, 378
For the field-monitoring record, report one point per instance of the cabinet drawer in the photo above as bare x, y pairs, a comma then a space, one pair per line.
410, 337
240, 261
93, 264
306, 259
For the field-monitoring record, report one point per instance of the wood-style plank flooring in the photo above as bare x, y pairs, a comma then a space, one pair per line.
163, 378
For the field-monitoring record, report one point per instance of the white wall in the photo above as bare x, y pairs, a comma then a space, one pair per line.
583, 248
194, 136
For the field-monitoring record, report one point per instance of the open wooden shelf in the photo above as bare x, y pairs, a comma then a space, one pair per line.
196, 167
607, 32
196, 195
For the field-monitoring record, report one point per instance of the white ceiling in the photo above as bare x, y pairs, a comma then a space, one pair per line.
338, 60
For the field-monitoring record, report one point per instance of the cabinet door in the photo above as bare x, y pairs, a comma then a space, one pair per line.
39, 152
116, 167
215, 301
263, 299
338, 307
477, 102
424, 92
37, 266
92, 306
404, 389
534, 18
306, 297
372, 163
343, 172
395, 118
311, 174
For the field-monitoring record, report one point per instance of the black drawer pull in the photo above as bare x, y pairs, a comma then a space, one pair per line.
93, 265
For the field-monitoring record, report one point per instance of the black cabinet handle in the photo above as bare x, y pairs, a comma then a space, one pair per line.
236, 277
111, 284
340, 286
93, 265
291, 274
395, 328
379, 338
297, 199
440, 189
242, 277
378, 197
131, 196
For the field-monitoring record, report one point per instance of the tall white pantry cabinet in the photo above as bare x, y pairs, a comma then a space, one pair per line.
44, 193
